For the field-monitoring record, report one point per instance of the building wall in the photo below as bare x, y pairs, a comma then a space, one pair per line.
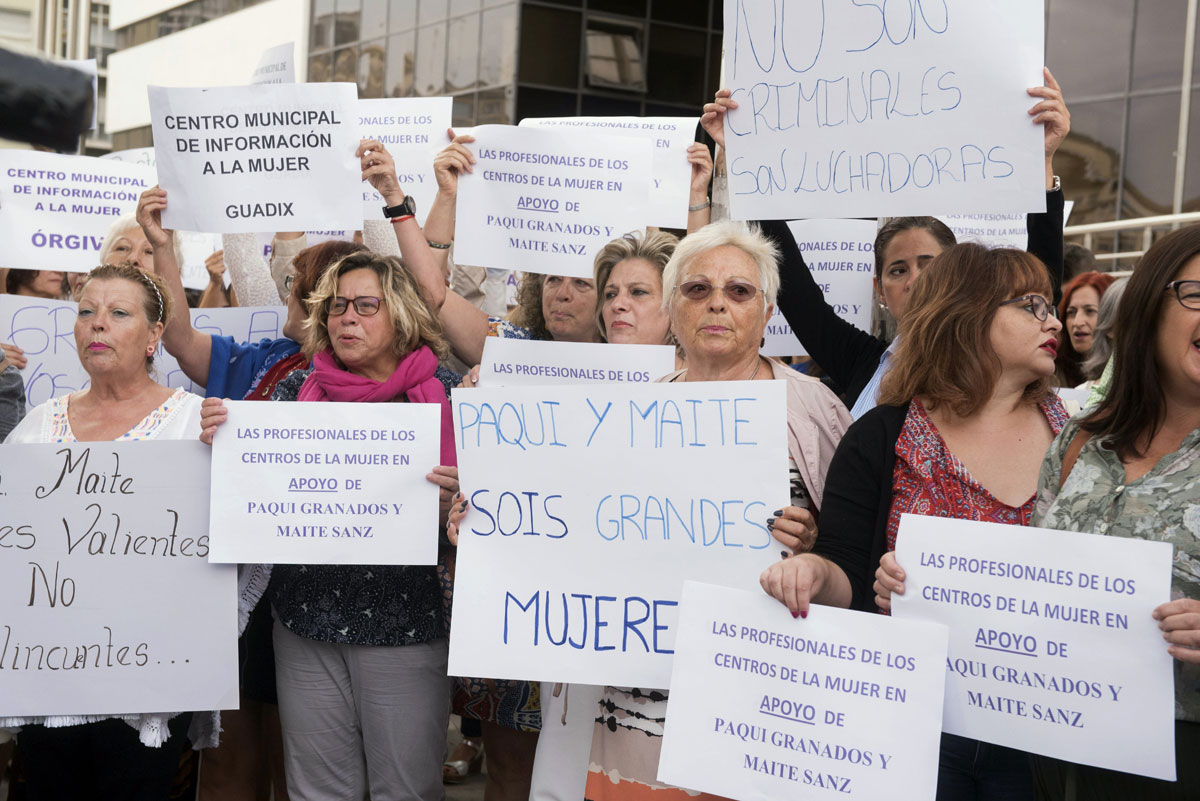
222, 52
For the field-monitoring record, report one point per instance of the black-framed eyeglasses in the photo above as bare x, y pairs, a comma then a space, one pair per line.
364, 305
736, 291
1187, 293
1036, 305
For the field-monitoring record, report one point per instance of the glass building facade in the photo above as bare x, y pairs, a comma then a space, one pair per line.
504, 60
1120, 64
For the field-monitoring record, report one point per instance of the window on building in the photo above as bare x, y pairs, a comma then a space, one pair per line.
549, 46
614, 56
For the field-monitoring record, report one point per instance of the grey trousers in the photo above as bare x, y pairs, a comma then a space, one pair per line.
362, 721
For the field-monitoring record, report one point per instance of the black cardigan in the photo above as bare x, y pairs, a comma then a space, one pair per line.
858, 500
849, 355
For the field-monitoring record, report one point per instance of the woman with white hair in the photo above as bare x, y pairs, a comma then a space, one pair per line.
719, 290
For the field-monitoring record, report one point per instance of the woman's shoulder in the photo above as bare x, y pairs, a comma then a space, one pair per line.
31, 429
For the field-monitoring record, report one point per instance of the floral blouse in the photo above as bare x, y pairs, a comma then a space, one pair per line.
1163, 505
930, 480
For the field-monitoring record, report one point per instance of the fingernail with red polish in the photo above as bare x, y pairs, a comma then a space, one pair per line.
804, 614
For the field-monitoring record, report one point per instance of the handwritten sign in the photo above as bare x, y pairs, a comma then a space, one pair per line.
413, 129
1052, 646
243, 159
627, 491
55, 209
841, 256
299, 483
764, 706
870, 109
277, 65
44, 329
671, 174
547, 201
524, 362
93, 535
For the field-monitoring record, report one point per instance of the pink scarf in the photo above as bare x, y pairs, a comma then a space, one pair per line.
414, 378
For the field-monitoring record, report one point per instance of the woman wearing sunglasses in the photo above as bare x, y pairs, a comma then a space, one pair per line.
719, 289
964, 421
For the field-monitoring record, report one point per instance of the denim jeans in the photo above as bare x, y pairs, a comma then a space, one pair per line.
969, 770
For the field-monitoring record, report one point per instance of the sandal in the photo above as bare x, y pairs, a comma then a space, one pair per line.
456, 771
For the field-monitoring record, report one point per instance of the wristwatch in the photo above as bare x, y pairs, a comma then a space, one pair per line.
406, 209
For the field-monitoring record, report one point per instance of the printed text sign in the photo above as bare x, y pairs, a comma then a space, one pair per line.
764, 706
1053, 648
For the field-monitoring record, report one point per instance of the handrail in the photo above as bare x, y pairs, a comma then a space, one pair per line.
1147, 225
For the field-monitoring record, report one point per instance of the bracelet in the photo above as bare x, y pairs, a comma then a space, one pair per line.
701, 206
438, 245
403, 218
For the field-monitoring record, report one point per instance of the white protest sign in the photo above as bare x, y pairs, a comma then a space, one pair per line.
840, 254
527, 362
995, 230
671, 175
627, 490
1052, 646
871, 109
244, 159
764, 706
143, 156
277, 65
55, 209
196, 248
413, 129
88, 67
547, 201
310, 237
329, 483
44, 329
103, 553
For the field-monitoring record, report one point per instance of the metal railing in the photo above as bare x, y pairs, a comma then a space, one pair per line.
1147, 226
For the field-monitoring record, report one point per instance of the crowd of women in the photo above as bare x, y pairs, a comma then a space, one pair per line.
343, 669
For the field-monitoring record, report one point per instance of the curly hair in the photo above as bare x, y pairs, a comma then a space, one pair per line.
414, 323
528, 311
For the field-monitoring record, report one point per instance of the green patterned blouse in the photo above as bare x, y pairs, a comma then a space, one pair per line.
1163, 505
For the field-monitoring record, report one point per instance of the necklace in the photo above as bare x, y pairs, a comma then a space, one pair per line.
757, 364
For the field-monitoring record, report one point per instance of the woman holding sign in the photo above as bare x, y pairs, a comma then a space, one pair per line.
720, 291
122, 314
1131, 468
360, 651
856, 360
971, 381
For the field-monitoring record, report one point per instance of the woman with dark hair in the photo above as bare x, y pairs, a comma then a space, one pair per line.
1130, 467
45, 284
963, 423
856, 360
1078, 310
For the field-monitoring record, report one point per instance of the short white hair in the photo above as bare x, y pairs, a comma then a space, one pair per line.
117, 229
747, 238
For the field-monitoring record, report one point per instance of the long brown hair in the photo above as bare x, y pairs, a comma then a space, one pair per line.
1135, 407
945, 353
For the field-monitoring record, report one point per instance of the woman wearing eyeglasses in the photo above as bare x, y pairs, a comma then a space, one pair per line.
719, 289
964, 421
360, 651
1131, 468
